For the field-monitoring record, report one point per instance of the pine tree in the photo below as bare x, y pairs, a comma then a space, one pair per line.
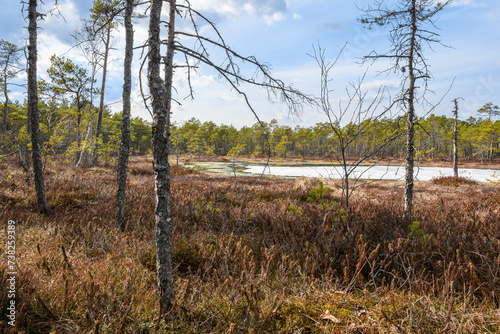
409, 21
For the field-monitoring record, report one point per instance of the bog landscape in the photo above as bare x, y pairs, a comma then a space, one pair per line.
382, 215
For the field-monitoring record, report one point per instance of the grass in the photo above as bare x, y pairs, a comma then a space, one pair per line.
453, 181
245, 262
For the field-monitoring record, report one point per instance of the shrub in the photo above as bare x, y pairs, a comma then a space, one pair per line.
453, 181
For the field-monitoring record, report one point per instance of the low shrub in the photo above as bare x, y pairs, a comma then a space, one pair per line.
453, 181
258, 255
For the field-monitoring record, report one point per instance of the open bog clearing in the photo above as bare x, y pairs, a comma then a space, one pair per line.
335, 171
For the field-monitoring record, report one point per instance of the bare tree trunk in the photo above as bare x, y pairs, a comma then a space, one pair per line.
101, 101
87, 134
5, 106
6, 96
89, 124
161, 96
86, 40
347, 197
33, 108
346, 189
407, 36
125, 143
28, 122
78, 127
410, 117
455, 140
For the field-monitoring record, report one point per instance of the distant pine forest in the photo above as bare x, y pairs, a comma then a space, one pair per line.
62, 127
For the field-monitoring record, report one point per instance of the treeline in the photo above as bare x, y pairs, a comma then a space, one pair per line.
477, 138
68, 133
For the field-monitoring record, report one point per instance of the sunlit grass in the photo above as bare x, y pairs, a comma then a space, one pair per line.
244, 262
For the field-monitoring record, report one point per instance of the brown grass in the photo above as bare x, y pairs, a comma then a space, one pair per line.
453, 181
252, 255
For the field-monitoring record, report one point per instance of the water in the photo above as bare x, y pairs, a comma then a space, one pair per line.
374, 173
334, 172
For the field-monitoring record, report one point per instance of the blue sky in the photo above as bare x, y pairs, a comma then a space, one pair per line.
282, 33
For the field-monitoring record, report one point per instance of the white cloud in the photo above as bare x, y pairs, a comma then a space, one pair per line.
470, 3
297, 17
376, 84
270, 10
54, 40
66, 13
249, 8
270, 19
48, 45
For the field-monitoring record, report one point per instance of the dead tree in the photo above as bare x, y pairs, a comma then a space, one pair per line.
10, 67
125, 142
349, 121
104, 16
455, 139
161, 102
409, 22
33, 107
89, 47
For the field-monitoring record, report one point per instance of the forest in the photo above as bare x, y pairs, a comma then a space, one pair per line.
478, 138
105, 228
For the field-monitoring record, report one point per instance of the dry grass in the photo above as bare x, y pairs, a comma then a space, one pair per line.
253, 255
453, 181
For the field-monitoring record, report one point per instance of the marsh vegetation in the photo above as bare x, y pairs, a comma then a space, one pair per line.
262, 255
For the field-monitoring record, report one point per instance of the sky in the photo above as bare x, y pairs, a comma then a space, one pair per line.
283, 33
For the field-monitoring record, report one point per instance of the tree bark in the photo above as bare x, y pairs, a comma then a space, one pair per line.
6, 96
78, 128
10, 51
101, 100
85, 38
410, 117
125, 142
5, 106
33, 108
455, 140
161, 96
